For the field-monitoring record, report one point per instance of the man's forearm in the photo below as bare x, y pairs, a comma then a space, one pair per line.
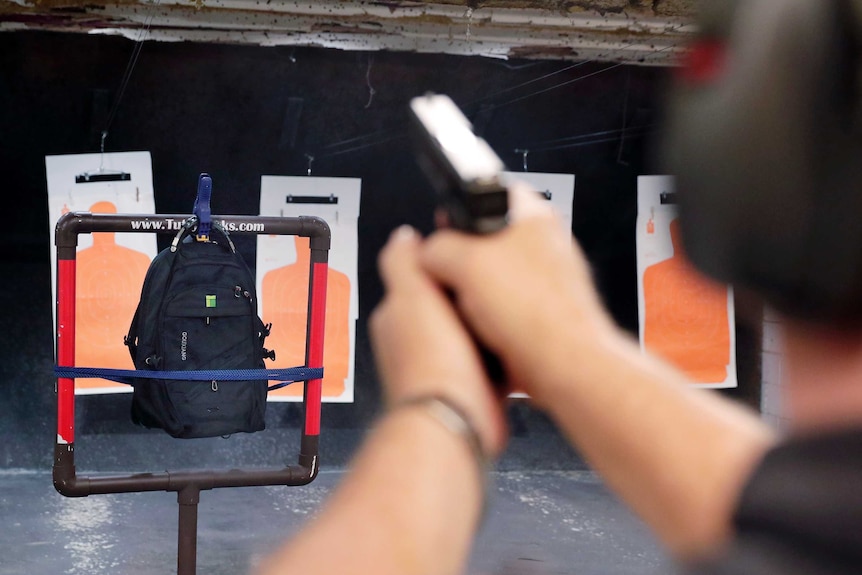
677, 455
409, 505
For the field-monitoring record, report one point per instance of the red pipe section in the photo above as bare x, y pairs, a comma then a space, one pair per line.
65, 350
317, 317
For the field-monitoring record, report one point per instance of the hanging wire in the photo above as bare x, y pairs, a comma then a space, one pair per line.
625, 120
569, 141
102, 151
398, 136
371, 90
528, 82
130, 66
560, 85
524, 152
572, 80
391, 134
357, 138
595, 141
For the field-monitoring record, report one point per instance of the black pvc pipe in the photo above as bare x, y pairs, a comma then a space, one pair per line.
68, 483
187, 530
73, 223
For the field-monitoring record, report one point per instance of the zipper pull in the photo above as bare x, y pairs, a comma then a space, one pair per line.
239, 292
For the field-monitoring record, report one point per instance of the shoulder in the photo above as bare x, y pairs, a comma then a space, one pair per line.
800, 512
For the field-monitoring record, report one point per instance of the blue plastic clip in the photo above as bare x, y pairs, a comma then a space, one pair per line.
202, 207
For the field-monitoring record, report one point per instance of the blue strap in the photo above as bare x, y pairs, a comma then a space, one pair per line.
202, 206
288, 375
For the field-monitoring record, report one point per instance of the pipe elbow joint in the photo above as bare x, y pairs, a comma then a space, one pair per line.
69, 485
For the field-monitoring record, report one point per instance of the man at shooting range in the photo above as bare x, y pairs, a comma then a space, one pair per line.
761, 133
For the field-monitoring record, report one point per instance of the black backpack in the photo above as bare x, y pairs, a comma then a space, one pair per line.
198, 311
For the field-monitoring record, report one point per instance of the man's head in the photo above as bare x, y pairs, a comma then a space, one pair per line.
764, 138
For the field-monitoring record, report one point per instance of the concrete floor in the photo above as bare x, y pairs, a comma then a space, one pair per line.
539, 523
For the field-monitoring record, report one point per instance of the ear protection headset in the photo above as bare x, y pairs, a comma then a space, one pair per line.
763, 135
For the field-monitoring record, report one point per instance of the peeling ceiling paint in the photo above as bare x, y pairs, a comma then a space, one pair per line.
648, 32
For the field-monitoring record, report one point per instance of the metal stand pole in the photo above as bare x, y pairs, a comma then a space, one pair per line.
187, 534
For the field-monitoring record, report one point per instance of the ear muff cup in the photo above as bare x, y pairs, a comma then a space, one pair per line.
768, 157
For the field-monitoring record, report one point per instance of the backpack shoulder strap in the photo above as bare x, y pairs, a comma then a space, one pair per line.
131, 339
155, 273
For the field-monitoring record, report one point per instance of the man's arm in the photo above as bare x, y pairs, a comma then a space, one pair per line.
411, 501
677, 455
409, 505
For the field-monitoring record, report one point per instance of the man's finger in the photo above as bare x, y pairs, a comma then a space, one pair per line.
398, 260
445, 256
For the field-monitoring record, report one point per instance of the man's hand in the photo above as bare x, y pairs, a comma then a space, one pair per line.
422, 347
523, 290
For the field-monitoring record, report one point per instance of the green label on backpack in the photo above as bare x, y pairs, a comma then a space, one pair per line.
211, 300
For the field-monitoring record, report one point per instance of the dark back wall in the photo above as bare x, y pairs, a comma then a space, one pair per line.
224, 110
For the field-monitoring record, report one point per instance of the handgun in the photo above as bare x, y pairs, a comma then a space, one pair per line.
463, 169
466, 173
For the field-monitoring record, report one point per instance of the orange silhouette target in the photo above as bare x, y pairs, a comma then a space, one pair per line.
686, 318
108, 285
285, 305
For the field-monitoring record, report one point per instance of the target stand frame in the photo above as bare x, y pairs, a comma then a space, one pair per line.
187, 484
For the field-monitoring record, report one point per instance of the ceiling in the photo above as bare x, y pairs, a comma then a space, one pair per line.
647, 32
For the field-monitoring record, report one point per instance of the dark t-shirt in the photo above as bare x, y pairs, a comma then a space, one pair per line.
800, 513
